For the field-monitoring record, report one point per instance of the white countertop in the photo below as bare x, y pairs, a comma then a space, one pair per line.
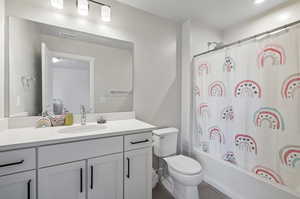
31, 137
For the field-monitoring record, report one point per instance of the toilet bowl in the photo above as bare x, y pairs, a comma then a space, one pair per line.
184, 171
186, 175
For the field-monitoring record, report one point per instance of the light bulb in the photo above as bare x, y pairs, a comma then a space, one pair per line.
59, 4
105, 13
258, 1
83, 7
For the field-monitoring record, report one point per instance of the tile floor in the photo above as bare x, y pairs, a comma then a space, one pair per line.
159, 192
206, 192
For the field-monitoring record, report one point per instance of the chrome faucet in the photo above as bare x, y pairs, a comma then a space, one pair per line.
83, 115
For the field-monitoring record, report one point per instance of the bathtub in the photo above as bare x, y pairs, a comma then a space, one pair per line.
238, 183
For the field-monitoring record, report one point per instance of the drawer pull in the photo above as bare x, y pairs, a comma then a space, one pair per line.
128, 167
12, 164
29, 189
140, 142
81, 180
92, 177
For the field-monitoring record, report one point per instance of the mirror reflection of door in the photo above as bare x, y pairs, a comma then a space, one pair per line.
68, 81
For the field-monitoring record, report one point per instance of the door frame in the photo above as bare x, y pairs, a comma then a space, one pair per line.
91, 61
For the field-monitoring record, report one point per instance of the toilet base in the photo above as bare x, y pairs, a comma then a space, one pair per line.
185, 192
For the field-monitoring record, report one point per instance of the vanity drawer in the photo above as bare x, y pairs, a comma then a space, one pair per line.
69, 152
16, 161
137, 141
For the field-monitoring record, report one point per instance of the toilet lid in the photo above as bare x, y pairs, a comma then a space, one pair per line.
184, 164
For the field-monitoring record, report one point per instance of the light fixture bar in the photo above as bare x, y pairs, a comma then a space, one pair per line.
101, 4
106, 13
84, 5
105, 10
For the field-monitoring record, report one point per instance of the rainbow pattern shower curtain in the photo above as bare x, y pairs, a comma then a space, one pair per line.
247, 106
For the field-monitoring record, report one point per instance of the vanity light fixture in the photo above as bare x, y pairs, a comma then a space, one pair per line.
256, 2
59, 4
106, 13
105, 10
83, 7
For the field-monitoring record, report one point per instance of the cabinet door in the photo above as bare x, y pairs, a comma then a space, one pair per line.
105, 177
18, 186
62, 182
138, 168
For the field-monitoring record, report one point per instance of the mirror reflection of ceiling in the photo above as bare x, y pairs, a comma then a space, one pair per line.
218, 13
85, 37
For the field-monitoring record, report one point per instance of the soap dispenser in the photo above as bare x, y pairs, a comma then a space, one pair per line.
69, 118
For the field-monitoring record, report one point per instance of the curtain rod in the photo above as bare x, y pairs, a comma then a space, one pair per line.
249, 38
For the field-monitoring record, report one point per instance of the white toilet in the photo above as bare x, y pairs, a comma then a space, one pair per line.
184, 171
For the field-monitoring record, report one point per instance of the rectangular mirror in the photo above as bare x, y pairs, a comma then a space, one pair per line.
56, 69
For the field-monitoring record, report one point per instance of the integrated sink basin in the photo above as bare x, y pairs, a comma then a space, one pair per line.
82, 129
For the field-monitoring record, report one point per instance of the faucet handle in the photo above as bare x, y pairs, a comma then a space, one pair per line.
101, 120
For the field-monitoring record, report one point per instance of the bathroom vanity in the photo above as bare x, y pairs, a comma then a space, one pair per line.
109, 161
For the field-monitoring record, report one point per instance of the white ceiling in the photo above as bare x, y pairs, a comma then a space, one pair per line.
217, 13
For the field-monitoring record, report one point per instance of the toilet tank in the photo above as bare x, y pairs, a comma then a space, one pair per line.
165, 141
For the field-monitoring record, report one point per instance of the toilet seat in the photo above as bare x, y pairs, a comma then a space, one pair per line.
184, 165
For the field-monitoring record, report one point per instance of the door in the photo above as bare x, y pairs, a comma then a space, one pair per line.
105, 176
62, 182
138, 179
18, 186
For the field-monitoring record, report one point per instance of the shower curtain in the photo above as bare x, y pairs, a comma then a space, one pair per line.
246, 106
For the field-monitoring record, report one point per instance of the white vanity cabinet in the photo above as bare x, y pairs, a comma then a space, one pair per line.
17, 174
117, 167
63, 170
138, 167
105, 177
62, 181
18, 186
138, 178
